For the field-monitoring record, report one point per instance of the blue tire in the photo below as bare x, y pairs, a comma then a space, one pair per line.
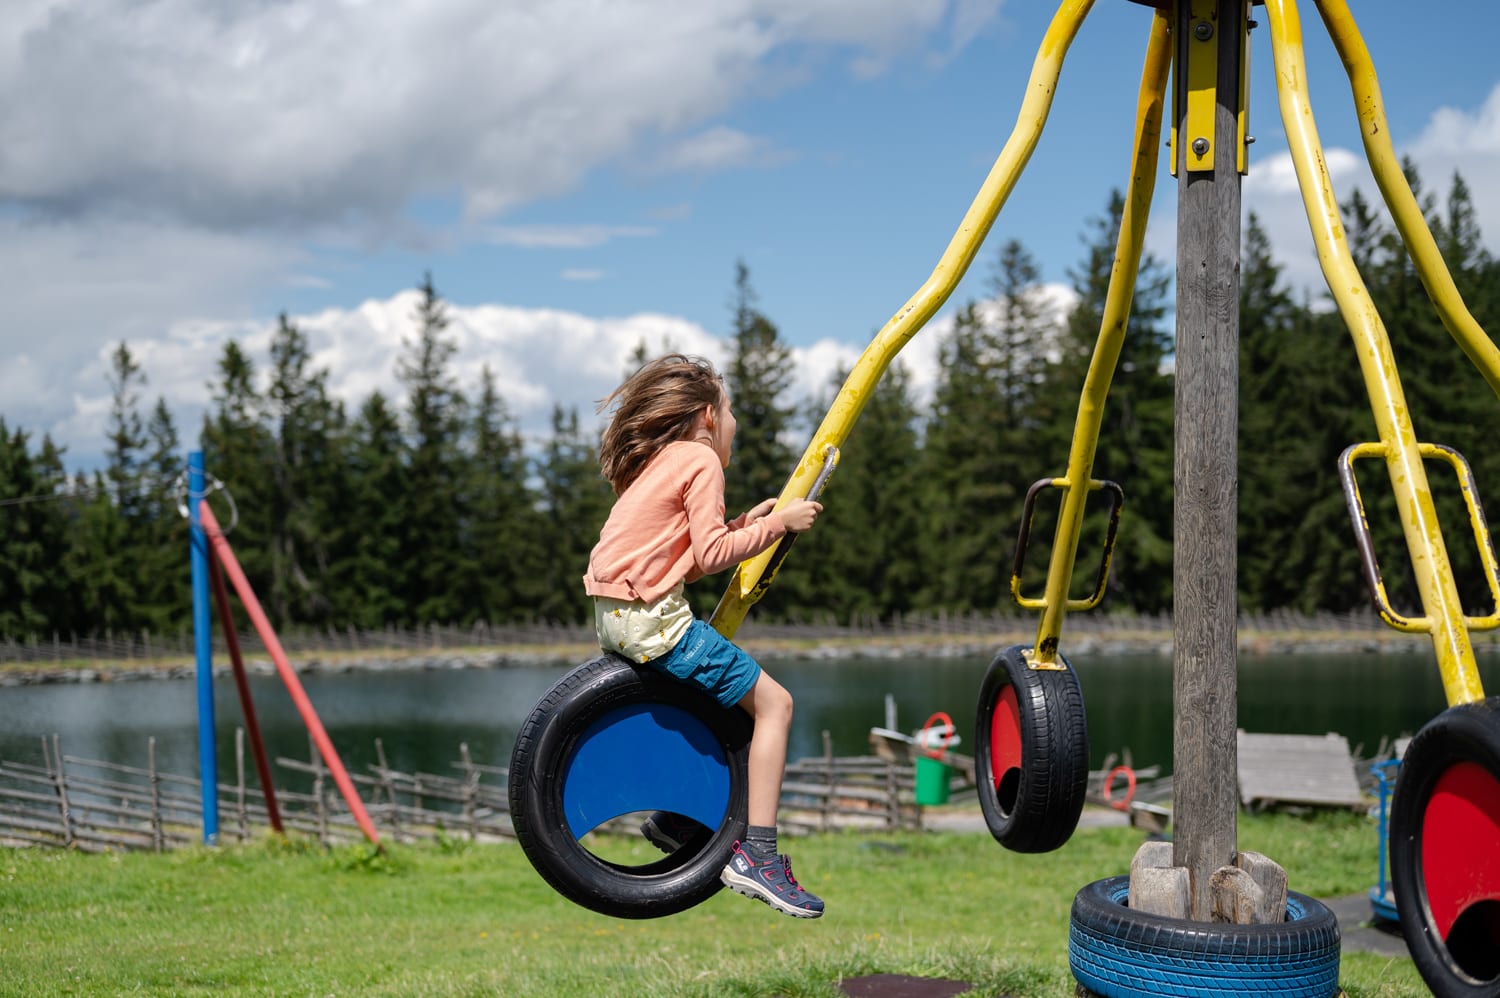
1118, 953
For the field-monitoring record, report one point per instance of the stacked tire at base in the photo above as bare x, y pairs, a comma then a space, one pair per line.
1116, 952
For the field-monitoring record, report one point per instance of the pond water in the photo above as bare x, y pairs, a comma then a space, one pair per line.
421, 717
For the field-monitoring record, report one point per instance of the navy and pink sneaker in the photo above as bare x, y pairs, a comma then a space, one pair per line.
769, 880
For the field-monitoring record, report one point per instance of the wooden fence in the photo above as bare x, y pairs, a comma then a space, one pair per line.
86, 804
828, 792
91, 805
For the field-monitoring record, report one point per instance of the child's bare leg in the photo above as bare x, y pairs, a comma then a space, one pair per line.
755, 869
770, 705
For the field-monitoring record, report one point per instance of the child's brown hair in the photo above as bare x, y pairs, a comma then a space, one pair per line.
657, 405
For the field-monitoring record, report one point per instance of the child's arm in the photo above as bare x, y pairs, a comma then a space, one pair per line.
717, 545
797, 516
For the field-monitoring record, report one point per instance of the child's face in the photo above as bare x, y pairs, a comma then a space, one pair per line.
722, 431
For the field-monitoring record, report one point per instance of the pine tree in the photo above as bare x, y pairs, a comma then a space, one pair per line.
53, 529
865, 558
500, 578
367, 573
127, 433
162, 600
1136, 437
97, 558
433, 513
758, 377
982, 447
308, 432
124, 559
1448, 399
1269, 415
237, 450
23, 538
574, 501
1297, 408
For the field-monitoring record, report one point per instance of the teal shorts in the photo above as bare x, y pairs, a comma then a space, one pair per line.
710, 661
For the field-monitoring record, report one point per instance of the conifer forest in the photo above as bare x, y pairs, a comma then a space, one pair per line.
430, 508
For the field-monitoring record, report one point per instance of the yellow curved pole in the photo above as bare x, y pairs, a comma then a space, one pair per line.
751, 578
1149, 110
1424, 538
1376, 133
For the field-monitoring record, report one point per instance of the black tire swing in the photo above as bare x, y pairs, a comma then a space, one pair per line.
1445, 850
1031, 758
1031, 754
613, 738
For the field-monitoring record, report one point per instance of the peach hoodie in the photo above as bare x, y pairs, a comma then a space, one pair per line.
669, 527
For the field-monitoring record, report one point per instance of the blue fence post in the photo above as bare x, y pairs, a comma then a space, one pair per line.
208, 765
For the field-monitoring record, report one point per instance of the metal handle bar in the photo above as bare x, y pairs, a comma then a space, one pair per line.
1117, 500
1373, 577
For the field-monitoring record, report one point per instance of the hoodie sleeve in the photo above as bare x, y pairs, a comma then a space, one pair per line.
718, 545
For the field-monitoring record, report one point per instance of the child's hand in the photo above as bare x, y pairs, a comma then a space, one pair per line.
760, 509
798, 514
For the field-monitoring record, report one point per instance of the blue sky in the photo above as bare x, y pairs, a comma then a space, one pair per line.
579, 176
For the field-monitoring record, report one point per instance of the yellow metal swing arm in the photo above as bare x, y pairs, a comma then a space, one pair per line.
1077, 483
1403, 454
754, 576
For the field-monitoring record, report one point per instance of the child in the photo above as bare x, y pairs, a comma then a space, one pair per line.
664, 452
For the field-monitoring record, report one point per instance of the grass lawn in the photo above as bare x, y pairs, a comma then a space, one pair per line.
449, 918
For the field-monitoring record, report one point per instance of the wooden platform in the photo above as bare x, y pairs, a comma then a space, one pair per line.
1307, 770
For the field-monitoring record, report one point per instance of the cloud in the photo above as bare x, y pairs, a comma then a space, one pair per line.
1270, 190
719, 148
541, 358
74, 291
564, 236
1467, 142
311, 117
169, 167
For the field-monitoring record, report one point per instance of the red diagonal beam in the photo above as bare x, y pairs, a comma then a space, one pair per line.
226, 558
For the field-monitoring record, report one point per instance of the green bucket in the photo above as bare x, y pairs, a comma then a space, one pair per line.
932, 781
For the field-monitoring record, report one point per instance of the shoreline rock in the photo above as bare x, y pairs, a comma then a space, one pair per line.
1251, 644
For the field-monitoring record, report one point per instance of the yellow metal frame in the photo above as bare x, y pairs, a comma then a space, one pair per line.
754, 575
1443, 617
1198, 84
1398, 447
1076, 483
1391, 180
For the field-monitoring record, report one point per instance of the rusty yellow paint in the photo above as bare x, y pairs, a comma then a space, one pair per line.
1389, 177
748, 582
1077, 482
1398, 440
